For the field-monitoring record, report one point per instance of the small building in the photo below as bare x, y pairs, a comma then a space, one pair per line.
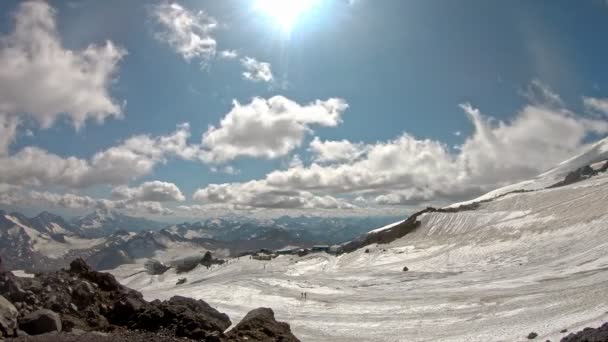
320, 248
335, 249
262, 257
288, 250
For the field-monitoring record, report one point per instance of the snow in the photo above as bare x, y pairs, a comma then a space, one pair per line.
22, 274
595, 156
44, 244
386, 227
535, 261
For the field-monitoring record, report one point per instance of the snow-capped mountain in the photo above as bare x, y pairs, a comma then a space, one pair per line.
37, 243
104, 222
531, 257
53, 225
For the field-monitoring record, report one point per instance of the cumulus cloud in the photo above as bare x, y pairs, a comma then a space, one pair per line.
228, 54
259, 194
22, 197
155, 191
598, 105
335, 151
188, 33
130, 160
8, 131
267, 128
256, 71
67, 200
42, 79
410, 171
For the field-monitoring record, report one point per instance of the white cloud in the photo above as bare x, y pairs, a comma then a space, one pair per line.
267, 128
8, 131
130, 160
67, 200
539, 93
335, 151
411, 171
155, 191
188, 33
21, 197
599, 105
42, 79
256, 71
259, 194
228, 54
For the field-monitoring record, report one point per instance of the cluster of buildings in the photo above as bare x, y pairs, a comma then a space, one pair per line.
265, 254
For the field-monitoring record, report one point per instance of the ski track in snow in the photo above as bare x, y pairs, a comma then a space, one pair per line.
526, 262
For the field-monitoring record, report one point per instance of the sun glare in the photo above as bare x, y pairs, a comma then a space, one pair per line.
285, 12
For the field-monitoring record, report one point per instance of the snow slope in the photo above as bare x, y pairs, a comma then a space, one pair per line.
595, 155
525, 262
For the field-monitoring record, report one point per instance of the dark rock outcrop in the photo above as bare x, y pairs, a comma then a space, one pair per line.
589, 335
40, 322
260, 325
155, 267
82, 300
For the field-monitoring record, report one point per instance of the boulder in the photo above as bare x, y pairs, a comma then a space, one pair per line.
40, 322
589, 334
219, 321
8, 318
181, 281
405, 269
260, 325
79, 266
532, 335
155, 267
83, 294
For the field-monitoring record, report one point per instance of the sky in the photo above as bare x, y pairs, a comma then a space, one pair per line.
206, 108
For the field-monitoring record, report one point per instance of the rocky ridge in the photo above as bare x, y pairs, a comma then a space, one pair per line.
79, 304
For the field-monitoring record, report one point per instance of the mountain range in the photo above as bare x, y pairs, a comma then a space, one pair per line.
107, 239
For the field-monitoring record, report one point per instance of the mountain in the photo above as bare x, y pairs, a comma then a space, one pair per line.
300, 230
52, 224
104, 222
37, 243
524, 260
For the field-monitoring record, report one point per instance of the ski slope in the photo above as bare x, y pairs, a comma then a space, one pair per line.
519, 263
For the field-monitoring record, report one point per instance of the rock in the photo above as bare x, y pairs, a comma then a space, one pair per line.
532, 335
181, 281
8, 318
405, 269
155, 267
367, 250
218, 320
126, 309
83, 294
589, 335
260, 325
79, 266
564, 331
40, 322
105, 281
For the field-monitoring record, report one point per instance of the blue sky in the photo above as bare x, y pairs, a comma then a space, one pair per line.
383, 105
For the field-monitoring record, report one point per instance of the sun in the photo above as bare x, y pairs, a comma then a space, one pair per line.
285, 12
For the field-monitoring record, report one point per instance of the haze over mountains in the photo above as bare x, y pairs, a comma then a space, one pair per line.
108, 238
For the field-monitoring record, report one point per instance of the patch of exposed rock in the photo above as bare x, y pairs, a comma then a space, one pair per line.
589, 335
64, 305
260, 325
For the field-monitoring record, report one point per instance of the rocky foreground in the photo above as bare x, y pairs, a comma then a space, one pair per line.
80, 304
